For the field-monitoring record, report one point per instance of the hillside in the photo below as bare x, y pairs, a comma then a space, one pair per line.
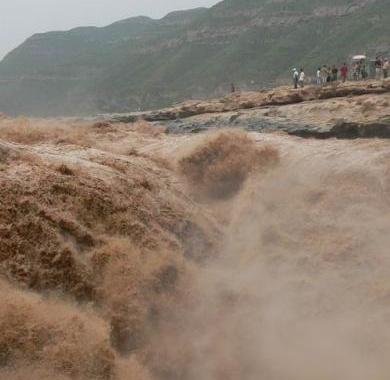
141, 63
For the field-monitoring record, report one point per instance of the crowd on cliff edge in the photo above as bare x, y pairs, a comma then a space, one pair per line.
357, 71
326, 74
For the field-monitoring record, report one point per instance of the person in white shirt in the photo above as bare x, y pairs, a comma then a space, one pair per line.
319, 79
301, 80
295, 78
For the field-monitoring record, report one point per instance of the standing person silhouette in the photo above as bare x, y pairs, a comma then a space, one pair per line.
344, 72
301, 78
295, 78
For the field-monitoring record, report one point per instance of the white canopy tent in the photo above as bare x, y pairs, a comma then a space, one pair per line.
358, 57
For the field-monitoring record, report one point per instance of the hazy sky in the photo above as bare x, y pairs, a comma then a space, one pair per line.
20, 19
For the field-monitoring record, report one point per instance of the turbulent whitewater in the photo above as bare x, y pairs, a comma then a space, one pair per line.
127, 253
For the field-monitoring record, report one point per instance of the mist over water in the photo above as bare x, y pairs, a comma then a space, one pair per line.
300, 288
296, 289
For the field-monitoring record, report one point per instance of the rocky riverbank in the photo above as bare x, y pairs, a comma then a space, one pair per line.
354, 109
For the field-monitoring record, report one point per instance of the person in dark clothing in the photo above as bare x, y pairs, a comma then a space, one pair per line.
335, 73
378, 68
363, 70
329, 74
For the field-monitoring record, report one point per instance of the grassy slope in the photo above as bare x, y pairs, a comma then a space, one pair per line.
125, 66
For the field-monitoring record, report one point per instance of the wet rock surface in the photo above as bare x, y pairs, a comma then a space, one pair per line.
346, 130
252, 121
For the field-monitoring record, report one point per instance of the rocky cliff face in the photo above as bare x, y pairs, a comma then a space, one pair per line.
142, 63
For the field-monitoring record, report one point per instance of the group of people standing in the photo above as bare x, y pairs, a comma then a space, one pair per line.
298, 78
359, 70
382, 68
326, 74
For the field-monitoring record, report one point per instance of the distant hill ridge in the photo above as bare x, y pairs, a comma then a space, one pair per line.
142, 63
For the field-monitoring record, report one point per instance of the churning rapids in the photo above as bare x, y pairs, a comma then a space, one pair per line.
126, 253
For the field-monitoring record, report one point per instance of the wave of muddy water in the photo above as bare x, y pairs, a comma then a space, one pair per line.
299, 287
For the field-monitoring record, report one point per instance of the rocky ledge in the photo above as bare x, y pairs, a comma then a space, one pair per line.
350, 110
346, 130
264, 98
